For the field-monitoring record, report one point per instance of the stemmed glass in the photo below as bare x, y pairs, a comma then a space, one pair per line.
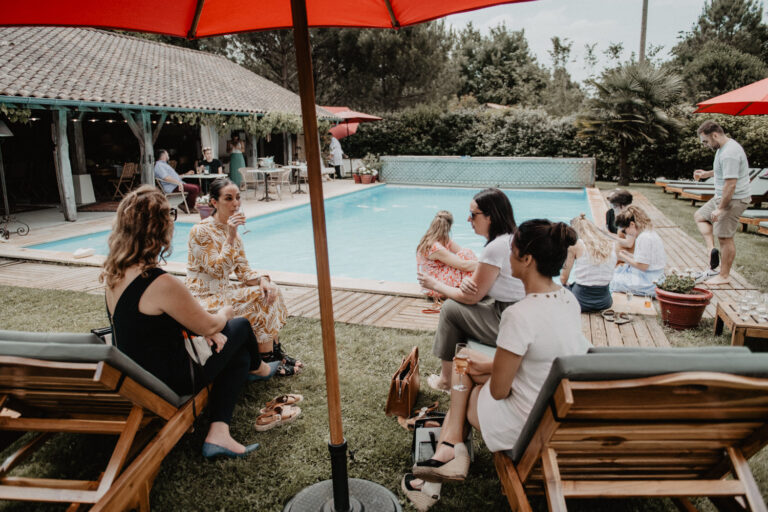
629, 298
461, 364
744, 308
245, 229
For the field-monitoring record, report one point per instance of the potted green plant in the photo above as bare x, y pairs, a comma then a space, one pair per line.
374, 164
681, 303
356, 175
366, 175
203, 206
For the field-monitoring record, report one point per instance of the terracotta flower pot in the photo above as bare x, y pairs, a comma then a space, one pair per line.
366, 178
204, 210
356, 177
681, 310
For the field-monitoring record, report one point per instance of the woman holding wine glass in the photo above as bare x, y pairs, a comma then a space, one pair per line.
496, 394
215, 251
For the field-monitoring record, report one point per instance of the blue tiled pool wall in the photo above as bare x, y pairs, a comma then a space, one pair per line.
502, 172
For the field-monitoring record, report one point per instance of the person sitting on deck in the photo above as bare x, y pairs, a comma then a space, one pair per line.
646, 266
619, 200
171, 180
152, 312
501, 391
215, 251
442, 258
474, 308
591, 263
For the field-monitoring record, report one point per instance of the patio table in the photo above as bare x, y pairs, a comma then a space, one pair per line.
298, 169
266, 171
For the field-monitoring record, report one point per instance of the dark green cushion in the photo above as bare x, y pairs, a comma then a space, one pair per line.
51, 337
634, 364
671, 350
88, 352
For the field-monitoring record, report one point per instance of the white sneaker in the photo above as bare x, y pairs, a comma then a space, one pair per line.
704, 275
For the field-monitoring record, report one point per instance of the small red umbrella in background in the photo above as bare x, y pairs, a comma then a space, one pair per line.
749, 100
350, 121
205, 18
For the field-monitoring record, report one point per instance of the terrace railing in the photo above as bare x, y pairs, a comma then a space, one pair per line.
501, 172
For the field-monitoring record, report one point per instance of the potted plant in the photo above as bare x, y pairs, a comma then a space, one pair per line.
356, 175
366, 175
203, 206
681, 303
373, 163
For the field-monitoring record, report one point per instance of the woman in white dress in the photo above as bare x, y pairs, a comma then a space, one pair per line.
645, 267
501, 391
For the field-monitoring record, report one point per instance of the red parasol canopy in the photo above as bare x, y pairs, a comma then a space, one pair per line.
747, 101
350, 121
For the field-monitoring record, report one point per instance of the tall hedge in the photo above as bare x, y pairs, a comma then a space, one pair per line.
429, 130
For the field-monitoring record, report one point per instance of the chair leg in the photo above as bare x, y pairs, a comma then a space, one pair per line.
552, 482
742, 471
510, 482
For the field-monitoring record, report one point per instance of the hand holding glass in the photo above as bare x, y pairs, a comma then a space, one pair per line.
461, 364
241, 212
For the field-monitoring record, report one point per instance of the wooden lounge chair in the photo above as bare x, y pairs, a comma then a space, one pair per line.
752, 218
758, 189
762, 228
173, 196
124, 183
76, 383
676, 187
643, 423
664, 182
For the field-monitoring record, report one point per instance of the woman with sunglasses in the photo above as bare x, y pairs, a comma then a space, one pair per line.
474, 308
151, 312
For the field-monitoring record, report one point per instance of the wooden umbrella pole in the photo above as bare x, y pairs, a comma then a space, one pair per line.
311, 142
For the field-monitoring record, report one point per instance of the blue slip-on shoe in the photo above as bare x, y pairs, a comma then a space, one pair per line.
273, 366
211, 451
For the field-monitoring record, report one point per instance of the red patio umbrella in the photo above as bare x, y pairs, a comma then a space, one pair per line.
749, 100
204, 18
350, 121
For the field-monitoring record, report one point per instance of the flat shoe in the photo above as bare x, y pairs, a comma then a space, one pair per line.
433, 380
436, 471
211, 451
622, 318
418, 498
289, 399
280, 415
608, 314
273, 366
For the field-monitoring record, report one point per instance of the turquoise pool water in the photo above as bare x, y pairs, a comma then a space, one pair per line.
372, 234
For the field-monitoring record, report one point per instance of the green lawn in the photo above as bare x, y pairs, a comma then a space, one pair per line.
293, 456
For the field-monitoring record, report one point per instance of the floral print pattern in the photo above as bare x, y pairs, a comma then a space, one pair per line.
442, 272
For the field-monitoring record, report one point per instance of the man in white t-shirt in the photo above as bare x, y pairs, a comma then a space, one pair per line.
719, 217
337, 155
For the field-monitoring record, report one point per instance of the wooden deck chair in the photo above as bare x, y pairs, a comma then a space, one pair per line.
173, 196
124, 183
75, 383
762, 228
752, 218
697, 194
677, 187
757, 182
643, 423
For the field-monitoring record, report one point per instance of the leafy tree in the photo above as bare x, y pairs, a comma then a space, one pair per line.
561, 96
267, 53
499, 68
719, 68
630, 107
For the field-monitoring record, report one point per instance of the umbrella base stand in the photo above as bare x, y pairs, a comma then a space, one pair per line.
363, 496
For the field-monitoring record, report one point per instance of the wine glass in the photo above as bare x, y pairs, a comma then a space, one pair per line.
461, 365
629, 298
744, 308
245, 229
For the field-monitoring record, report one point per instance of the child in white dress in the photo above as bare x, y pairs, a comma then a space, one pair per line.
645, 267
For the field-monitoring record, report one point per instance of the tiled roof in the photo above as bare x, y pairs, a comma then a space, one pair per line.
77, 64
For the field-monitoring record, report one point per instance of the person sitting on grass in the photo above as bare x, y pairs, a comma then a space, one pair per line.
474, 308
501, 391
151, 312
591, 263
215, 251
442, 258
645, 267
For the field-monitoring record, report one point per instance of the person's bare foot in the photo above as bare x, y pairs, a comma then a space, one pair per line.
718, 280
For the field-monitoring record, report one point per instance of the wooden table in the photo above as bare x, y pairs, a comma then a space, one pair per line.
727, 314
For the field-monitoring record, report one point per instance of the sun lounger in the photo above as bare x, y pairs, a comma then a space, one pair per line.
663, 182
643, 423
758, 189
75, 383
752, 217
762, 228
677, 187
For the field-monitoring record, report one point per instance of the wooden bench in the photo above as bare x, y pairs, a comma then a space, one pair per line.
727, 315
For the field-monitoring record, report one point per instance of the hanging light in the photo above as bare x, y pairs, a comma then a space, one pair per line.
92, 120
110, 120
34, 118
154, 121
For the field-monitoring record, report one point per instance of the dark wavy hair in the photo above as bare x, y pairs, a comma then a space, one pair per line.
547, 242
214, 191
495, 204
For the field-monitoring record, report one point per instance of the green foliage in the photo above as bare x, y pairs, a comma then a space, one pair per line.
677, 283
15, 114
258, 125
373, 162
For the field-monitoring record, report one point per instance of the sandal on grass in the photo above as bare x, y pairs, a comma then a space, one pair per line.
283, 370
409, 423
277, 416
289, 399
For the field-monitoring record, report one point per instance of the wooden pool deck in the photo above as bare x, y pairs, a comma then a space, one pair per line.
406, 312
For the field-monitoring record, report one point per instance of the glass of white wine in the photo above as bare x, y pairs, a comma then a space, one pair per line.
461, 365
245, 229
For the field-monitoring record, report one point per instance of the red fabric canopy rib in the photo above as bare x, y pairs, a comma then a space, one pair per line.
748, 100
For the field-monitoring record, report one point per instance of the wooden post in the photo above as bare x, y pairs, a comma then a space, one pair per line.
63, 165
254, 151
147, 150
77, 129
309, 119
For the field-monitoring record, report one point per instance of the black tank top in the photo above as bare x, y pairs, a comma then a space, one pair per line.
154, 342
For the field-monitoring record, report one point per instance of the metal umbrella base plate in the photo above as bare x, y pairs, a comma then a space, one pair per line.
364, 496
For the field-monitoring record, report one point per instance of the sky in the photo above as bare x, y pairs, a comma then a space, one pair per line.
587, 22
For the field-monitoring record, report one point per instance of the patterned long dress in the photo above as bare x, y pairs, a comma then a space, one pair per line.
210, 262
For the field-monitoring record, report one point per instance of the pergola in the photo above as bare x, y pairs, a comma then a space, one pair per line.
72, 71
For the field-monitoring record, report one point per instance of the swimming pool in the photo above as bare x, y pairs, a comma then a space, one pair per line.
372, 234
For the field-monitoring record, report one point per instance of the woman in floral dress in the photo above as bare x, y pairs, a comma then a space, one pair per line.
215, 251
440, 257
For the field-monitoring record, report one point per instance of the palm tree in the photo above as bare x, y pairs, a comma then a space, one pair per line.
630, 107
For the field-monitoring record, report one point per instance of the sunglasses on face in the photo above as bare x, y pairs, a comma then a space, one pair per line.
472, 214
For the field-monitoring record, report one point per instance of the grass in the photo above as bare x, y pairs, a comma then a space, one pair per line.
291, 457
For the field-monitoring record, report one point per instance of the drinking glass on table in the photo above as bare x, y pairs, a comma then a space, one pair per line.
744, 309
629, 295
461, 364
762, 309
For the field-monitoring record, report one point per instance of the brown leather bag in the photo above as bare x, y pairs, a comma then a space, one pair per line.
404, 386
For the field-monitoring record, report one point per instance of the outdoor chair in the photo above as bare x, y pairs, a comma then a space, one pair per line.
663, 182
282, 181
124, 183
758, 189
252, 181
752, 218
644, 423
173, 196
762, 228
677, 188
75, 383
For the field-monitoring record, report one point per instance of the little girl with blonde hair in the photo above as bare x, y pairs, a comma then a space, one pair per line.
440, 257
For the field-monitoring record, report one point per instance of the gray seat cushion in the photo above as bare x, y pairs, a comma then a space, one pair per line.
671, 350
633, 364
51, 337
764, 224
87, 352
755, 214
